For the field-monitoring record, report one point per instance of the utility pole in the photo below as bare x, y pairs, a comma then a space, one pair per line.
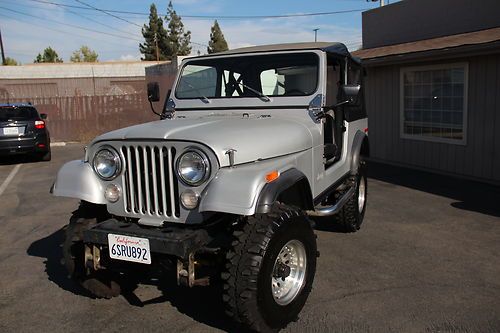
1, 47
157, 51
382, 3
316, 34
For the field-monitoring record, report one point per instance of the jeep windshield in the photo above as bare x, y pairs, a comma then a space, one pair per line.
259, 76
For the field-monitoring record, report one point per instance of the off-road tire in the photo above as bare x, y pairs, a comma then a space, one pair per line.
257, 241
350, 218
99, 283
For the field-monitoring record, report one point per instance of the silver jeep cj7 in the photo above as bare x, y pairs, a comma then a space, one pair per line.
251, 143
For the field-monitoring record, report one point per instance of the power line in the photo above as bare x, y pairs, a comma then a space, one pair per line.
92, 20
78, 27
106, 12
63, 32
118, 17
50, 8
71, 25
213, 17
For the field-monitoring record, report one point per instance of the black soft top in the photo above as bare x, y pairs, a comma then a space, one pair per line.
328, 47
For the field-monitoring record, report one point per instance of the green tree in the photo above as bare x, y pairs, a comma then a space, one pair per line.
154, 31
49, 55
178, 39
84, 54
10, 62
217, 41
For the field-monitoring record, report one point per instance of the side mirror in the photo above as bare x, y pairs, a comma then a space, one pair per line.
350, 93
43, 116
153, 92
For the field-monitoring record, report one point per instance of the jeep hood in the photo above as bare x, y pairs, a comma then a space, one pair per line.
253, 138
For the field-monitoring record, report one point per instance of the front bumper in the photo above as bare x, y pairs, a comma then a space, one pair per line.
171, 240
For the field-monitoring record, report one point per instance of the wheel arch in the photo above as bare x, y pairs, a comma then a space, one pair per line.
291, 188
360, 147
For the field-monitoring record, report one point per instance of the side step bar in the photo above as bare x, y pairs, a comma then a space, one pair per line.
334, 209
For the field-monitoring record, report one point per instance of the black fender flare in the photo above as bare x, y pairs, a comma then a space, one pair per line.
292, 185
360, 146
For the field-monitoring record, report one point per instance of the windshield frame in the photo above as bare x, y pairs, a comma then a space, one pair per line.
200, 60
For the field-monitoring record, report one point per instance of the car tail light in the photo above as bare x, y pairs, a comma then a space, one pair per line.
40, 124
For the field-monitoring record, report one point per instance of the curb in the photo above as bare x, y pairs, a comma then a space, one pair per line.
58, 144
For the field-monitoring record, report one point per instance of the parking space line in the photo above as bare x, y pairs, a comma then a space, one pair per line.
9, 178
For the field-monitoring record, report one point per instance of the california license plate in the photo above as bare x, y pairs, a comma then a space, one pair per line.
11, 130
129, 248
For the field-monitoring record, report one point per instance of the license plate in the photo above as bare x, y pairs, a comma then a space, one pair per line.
129, 248
11, 130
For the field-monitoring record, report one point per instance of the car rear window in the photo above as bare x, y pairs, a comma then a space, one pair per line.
17, 113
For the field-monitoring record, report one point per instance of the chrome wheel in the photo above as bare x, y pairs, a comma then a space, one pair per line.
361, 195
289, 272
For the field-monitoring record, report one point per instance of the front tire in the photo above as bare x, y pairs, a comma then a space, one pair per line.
99, 283
270, 269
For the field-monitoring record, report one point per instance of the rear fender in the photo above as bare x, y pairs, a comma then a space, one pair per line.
360, 147
76, 179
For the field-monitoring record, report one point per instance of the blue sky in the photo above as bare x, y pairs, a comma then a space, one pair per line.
28, 26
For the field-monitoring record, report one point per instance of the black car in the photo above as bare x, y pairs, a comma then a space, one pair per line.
23, 131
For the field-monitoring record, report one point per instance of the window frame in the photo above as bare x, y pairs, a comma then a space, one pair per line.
195, 60
443, 66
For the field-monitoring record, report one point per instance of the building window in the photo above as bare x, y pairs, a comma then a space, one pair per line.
434, 103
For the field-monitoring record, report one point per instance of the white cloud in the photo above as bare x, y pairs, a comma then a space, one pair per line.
130, 57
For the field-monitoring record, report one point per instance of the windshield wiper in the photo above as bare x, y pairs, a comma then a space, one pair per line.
202, 97
261, 95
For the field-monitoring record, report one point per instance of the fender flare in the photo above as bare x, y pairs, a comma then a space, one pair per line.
292, 182
360, 141
76, 179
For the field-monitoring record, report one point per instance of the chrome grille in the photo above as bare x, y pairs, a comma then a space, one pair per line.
149, 183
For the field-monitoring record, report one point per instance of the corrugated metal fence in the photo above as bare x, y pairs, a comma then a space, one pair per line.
81, 118
84, 115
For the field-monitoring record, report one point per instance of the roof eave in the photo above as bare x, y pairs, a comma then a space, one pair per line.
435, 54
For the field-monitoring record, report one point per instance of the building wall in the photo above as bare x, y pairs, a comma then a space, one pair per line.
412, 20
479, 158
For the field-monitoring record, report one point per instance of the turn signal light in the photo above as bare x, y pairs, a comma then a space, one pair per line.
39, 124
272, 176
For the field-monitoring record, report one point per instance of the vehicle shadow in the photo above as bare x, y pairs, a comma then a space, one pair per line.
326, 224
18, 159
50, 249
203, 304
469, 195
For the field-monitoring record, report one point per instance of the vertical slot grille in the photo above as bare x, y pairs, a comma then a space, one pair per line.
149, 182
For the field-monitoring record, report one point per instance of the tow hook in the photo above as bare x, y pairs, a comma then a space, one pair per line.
92, 258
186, 273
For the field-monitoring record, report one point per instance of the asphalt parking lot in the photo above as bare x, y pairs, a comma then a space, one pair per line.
427, 259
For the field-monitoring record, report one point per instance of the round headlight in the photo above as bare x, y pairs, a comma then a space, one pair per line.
193, 168
107, 163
